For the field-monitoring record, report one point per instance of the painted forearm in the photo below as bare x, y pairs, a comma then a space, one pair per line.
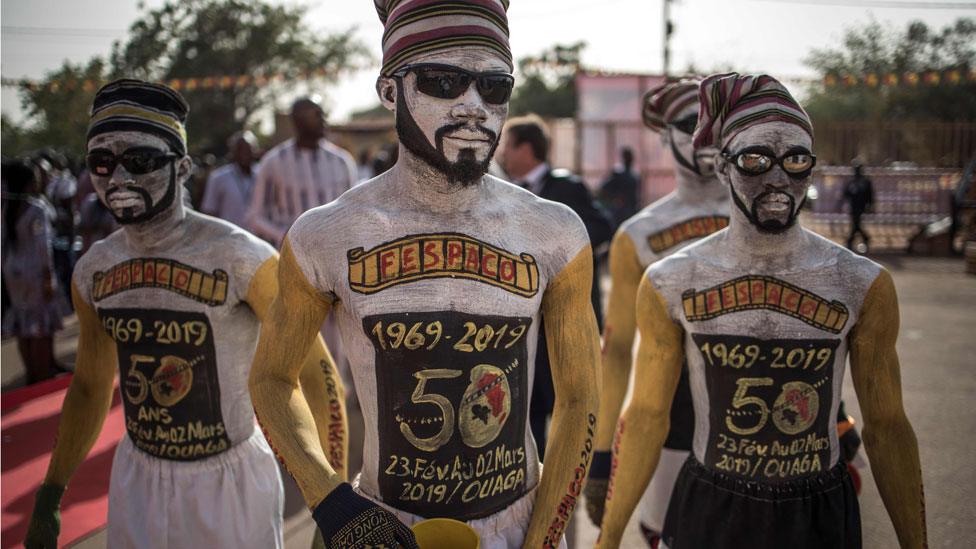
618, 336
286, 336
88, 398
893, 453
325, 395
644, 425
888, 436
573, 340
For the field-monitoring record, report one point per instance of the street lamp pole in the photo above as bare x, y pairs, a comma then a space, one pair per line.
668, 29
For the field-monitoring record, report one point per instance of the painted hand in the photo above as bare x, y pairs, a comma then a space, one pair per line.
596, 486
347, 519
45, 522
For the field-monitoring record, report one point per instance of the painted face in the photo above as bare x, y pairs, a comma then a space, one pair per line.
696, 165
455, 136
134, 197
772, 200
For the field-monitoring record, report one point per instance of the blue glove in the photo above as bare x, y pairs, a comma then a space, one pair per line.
350, 521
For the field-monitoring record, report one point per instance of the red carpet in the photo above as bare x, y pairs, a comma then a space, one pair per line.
30, 418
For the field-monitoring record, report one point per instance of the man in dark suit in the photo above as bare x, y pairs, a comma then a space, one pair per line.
523, 154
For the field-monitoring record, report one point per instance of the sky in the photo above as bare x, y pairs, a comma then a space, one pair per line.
772, 36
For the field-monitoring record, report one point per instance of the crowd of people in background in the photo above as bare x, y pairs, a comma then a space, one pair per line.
52, 215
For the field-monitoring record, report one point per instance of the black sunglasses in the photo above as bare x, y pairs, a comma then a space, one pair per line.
449, 82
137, 161
686, 124
797, 163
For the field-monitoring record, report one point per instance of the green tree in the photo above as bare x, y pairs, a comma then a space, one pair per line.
546, 82
879, 50
193, 39
200, 38
56, 109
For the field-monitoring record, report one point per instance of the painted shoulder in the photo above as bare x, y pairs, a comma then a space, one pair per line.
637, 225
101, 255
231, 238
856, 268
555, 226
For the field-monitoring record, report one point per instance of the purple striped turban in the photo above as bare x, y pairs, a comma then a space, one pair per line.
415, 27
663, 103
732, 102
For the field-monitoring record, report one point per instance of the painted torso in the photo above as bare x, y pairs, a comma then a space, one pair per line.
766, 351
676, 221
439, 315
184, 334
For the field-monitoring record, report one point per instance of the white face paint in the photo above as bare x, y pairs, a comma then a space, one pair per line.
773, 198
455, 137
469, 108
132, 198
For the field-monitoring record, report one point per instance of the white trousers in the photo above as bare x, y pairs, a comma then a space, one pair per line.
504, 530
654, 502
231, 500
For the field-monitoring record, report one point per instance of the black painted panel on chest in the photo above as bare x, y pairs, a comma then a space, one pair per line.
452, 403
769, 402
169, 382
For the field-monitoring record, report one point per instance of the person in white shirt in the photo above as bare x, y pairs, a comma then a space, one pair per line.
228, 192
299, 174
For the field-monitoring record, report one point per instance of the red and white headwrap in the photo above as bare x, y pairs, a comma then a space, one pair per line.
415, 27
662, 104
732, 102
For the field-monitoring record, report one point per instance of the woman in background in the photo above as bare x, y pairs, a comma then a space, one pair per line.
36, 305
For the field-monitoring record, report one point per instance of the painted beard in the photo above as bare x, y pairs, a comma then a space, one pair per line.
150, 210
770, 226
466, 171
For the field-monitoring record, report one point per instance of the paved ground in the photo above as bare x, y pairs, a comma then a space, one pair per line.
937, 347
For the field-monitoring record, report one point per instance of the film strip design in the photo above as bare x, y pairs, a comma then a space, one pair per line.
697, 227
441, 255
751, 292
165, 274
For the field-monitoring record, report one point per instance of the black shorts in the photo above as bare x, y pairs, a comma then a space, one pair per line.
713, 510
682, 431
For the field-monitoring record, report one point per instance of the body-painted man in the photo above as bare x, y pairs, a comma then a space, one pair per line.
698, 207
174, 301
438, 274
766, 314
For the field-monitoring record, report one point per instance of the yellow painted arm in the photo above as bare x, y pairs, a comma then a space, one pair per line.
644, 425
574, 349
618, 335
89, 396
292, 326
319, 380
888, 436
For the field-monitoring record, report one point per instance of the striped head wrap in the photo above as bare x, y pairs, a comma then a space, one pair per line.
732, 102
414, 27
662, 104
128, 104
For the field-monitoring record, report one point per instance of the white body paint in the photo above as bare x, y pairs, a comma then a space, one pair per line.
796, 257
231, 489
415, 419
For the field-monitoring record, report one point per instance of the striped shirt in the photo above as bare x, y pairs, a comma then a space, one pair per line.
291, 180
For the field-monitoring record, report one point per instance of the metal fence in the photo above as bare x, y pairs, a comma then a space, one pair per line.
934, 144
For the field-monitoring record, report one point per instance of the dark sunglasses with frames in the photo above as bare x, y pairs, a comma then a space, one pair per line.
796, 162
449, 82
686, 124
137, 160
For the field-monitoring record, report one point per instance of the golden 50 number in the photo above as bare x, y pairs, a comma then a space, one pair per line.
476, 338
744, 356
124, 330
